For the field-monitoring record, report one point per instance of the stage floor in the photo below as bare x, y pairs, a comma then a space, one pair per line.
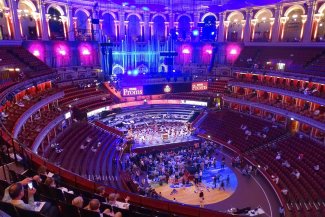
190, 195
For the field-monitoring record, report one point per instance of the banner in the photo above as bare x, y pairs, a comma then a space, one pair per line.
132, 91
199, 86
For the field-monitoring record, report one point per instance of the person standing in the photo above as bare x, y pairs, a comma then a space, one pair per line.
281, 211
201, 196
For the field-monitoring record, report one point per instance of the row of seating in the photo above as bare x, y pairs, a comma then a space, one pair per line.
306, 195
226, 125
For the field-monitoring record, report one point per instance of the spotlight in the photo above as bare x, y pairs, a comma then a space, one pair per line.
195, 32
85, 52
185, 51
233, 51
36, 53
62, 52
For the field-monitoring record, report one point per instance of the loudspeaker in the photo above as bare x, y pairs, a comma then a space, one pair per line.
95, 21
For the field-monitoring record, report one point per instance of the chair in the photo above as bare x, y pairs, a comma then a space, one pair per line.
68, 210
9, 209
28, 213
88, 213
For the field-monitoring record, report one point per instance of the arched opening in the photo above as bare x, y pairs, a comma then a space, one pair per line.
184, 28
4, 34
134, 29
320, 36
83, 28
109, 27
293, 26
27, 21
56, 24
209, 30
263, 26
159, 28
235, 29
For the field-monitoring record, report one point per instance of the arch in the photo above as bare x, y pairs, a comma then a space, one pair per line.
116, 68
83, 10
159, 14
208, 14
234, 13
30, 4
294, 7
321, 9
138, 15
111, 13
57, 7
264, 10
184, 14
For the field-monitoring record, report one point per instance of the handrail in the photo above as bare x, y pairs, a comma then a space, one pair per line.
40, 137
24, 117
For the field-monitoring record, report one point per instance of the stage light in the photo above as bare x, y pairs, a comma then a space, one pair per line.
195, 32
212, 33
292, 119
85, 52
208, 51
62, 52
233, 51
36, 53
185, 51
145, 8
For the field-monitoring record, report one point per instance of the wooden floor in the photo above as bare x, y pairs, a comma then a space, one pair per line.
190, 195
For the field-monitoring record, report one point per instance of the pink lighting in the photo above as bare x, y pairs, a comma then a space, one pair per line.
36, 53
185, 51
233, 51
85, 52
208, 51
62, 52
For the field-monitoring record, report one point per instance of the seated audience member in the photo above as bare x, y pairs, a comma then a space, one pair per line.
316, 167
50, 182
16, 193
296, 173
300, 156
278, 156
286, 164
275, 179
78, 202
284, 191
100, 191
94, 205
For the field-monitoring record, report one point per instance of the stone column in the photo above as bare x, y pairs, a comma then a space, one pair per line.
196, 19
70, 24
116, 25
221, 30
166, 29
146, 26
317, 18
243, 22
13, 5
95, 32
121, 15
151, 24
308, 27
171, 21
44, 23
247, 29
276, 25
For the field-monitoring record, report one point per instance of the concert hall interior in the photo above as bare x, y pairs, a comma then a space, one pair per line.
162, 108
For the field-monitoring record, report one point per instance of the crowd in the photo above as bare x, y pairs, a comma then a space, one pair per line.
176, 167
25, 194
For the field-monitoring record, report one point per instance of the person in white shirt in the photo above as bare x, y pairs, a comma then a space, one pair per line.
316, 167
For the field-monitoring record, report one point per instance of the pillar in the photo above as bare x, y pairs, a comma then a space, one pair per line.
196, 19
116, 26
302, 31
317, 18
307, 30
171, 20
151, 30
221, 30
253, 23
96, 35
65, 27
36, 17
247, 29
13, 5
146, 26
166, 29
44, 23
276, 25
271, 28
283, 21
121, 15
70, 24
126, 25
243, 24
8, 21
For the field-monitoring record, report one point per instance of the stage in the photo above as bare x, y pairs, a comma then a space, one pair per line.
152, 142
